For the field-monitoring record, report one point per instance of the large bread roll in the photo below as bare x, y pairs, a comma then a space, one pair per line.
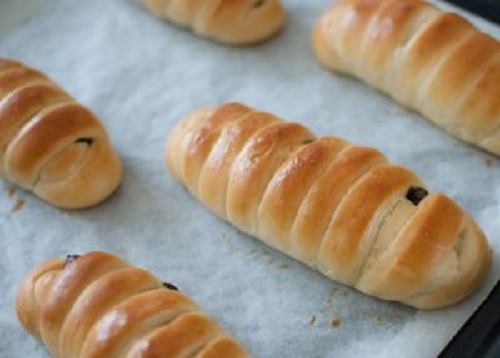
339, 208
228, 21
431, 61
99, 306
50, 144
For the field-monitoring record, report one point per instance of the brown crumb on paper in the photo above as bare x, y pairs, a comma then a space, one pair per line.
328, 302
378, 320
18, 205
312, 321
10, 191
488, 162
336, 323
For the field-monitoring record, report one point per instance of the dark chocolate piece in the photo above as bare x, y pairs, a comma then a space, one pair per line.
258, 3
87, 141
416, 194
170, 286
70, 259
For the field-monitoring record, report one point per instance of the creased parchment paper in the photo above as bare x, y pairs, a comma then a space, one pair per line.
140, 76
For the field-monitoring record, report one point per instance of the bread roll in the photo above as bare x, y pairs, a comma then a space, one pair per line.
99, 306
339, 208
50, 144
431, 61
229, 21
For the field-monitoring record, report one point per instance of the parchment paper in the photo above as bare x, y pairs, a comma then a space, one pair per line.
140, 76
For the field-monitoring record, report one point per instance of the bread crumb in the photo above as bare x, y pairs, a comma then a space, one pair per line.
328, 302
18, 205
10, 191
378, 320
336, 323
285, 266
488, 162
312, 320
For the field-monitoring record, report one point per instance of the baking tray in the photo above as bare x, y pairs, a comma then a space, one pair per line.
489, 9
479, 337
140, 75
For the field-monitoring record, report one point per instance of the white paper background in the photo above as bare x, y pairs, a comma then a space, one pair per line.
140, 76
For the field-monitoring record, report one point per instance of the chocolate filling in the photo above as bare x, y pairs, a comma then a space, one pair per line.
170, 286
258, 3
416, 194
70, 259
87, 141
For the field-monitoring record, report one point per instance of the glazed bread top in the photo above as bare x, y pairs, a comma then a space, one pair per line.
50, 144
229, 21
340, 208
99, 306
431, 61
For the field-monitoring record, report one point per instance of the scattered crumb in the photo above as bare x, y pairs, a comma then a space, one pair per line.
378, 320
488, 162
327, 303
10, 191
312, 320
19, 204
285, 266
336, 323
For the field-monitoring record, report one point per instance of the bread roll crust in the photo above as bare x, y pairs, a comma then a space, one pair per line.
97, 305
431, 61
339, 208
235, 22
50, 144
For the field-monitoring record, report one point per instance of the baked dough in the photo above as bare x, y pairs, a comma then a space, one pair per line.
431, 61
99, 306
340, 208
228, 21
50, 144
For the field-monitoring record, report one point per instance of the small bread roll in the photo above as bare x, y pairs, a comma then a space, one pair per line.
50, 144
99, 306
337, 207
236, 22
431, 61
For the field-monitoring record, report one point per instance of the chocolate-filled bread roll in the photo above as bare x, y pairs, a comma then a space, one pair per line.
234, 22
431, 61
340, 208
50, 144
97, 305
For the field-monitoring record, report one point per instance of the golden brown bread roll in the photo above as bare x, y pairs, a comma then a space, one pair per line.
99, 306
228, 21
431, 61
339, 208
50, 144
